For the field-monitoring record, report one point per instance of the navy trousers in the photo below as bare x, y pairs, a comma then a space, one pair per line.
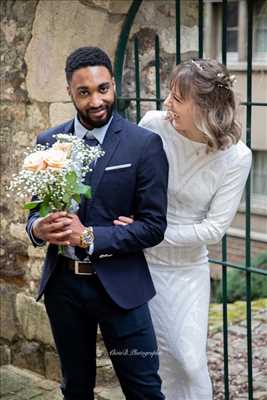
75, 306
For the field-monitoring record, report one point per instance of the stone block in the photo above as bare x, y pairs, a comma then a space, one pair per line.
17, 231
189, 42
28, 355
105, 371
55, 34
109, 393
22, 384
9, 28
35, 262
5, 355
52, 366
37, 252
14, 264
8, 318
36, 269
33, 319
61, 112
12, 117
16, 22
37, 117
112, 6
3, 224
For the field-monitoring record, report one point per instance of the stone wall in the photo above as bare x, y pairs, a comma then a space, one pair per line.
36, 37
158, 18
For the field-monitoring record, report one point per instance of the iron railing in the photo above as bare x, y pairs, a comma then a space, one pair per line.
124, 102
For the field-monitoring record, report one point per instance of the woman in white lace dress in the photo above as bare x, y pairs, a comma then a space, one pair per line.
209, 166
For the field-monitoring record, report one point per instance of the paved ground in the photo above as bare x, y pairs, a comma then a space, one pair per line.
21, 384
237, 358
18, 384
237, 351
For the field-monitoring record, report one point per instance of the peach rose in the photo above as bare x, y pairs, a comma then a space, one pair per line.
66, 147
35, 162
55, 159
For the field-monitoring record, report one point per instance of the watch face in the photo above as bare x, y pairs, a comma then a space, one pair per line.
87, 237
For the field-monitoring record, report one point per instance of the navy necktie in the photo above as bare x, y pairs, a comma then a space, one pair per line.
90, 140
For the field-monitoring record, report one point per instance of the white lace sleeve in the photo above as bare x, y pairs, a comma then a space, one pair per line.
223, 207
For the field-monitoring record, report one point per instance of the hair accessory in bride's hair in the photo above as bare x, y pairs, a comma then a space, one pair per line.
197, 65
232, 79
226, 82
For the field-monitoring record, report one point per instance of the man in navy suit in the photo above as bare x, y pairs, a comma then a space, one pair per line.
102, 278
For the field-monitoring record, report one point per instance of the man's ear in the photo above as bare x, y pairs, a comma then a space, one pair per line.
114, 83
68, 90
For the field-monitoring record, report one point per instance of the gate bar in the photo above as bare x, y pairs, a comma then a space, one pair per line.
248, 196
200, 28
137, 79
178, 32
224, 240
157, 70
122, 43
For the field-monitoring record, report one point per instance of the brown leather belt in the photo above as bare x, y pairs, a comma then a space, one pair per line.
79, 268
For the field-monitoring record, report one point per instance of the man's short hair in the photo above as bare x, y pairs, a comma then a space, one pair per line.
86, 57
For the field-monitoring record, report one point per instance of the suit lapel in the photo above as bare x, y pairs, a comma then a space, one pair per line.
69, 127
111, 142
109, 146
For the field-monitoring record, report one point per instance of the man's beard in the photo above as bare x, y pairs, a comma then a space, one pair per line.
86, 120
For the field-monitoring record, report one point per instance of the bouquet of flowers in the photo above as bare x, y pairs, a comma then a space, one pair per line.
54, 176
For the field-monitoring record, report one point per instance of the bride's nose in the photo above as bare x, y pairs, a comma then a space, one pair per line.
167, 101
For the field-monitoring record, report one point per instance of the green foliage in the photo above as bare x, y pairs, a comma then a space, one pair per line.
80, 188
71, 177
259, 260
236, 283
236, 312
44, 209
32, 204
72, 191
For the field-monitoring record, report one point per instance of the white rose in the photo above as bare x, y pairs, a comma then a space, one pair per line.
35, 162
65, 146
55, 159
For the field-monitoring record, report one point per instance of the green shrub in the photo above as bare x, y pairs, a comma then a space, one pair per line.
236, 283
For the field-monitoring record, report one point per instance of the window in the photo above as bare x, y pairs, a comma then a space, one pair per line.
260, 22
259, 173
236, 30
232, 29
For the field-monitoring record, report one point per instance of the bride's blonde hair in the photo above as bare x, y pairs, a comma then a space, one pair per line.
210, 86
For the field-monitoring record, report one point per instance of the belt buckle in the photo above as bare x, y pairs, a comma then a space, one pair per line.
76, 269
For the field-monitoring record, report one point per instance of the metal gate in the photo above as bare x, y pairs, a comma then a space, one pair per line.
124, 102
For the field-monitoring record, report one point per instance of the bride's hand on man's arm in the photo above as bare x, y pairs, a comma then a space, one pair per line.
123, 220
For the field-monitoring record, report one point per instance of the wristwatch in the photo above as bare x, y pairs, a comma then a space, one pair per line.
87, 237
